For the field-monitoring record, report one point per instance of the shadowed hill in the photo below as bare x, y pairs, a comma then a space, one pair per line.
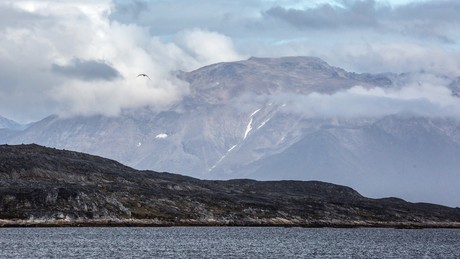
44, 186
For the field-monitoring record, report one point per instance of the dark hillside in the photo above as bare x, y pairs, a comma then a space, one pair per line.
44, 186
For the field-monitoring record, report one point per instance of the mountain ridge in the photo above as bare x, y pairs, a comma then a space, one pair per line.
242, 116
43, 186
6, 123
269, 75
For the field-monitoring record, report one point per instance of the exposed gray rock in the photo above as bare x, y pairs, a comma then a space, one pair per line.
44, 186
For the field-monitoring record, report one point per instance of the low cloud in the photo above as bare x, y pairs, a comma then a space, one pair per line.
70, 58
350, 14
207, 47
423, 95
370, 35
425, 19
51, 49
87, 70
110, 98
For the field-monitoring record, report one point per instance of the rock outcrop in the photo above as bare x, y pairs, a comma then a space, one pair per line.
44, 186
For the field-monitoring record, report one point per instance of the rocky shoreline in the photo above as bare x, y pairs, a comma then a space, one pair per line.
43, 187
210, 223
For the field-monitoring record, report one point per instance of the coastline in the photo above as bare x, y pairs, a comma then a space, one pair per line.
43, 187
213, 223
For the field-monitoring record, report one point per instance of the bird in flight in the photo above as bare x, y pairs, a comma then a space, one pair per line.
145, 76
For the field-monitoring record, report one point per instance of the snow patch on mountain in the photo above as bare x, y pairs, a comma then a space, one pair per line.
255, 112
263, 123
222, 158
230, 149
248, 129
249, 126
161, 135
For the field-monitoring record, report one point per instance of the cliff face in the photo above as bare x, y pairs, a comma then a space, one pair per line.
43, 186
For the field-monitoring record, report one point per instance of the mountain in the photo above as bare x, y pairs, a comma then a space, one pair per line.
48, 187
9, 124
249, 119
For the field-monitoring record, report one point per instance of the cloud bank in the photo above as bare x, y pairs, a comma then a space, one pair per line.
82, 57
88, 70
425, 100
70, 58
358, 35
374, 36
420, 95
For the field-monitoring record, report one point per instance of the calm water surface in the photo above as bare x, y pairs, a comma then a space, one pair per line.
228, 242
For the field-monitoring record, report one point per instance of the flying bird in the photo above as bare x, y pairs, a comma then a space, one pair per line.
144, 75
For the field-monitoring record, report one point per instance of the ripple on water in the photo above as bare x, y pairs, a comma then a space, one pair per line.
228, 242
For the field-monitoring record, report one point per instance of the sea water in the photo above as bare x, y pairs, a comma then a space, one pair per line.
228, 242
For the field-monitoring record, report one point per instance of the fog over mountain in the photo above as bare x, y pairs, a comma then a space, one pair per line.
286, 118
81, 57
8, 124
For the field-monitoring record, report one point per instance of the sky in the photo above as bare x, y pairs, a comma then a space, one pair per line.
82, 57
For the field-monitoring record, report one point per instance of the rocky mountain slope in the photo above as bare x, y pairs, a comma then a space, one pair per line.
242, 120
44, 186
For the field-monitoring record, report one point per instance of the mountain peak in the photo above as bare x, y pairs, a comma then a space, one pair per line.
305, 59
264, 76
8, 124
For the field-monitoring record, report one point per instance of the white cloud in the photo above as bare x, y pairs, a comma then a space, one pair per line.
425, 95
207, 47
123, 39
363, 51
397, 57
62, 40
